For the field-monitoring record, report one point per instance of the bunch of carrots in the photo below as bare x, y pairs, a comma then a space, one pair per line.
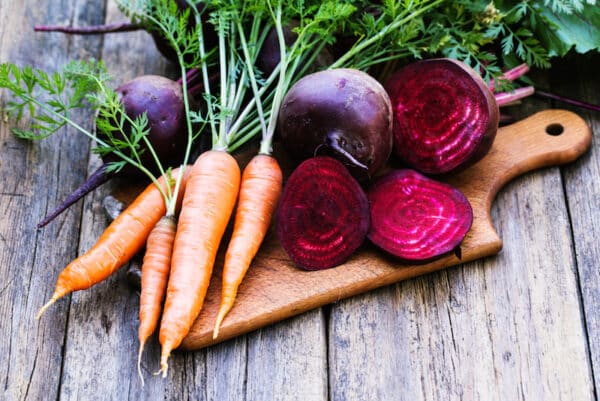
183, 232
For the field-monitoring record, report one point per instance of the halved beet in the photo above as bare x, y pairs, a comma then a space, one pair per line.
344, 113
445, 116
416, 218
323, 215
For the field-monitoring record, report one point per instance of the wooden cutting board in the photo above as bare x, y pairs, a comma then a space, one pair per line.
274, 289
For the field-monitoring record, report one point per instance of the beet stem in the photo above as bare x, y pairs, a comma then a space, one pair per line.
505, 98
512, 74
194, 90
189, 75
98, 177
332, 140
90, 30
574, 102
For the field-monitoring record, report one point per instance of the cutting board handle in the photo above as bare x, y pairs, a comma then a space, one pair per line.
547, 138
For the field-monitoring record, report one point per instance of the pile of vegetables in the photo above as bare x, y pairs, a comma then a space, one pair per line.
311, 71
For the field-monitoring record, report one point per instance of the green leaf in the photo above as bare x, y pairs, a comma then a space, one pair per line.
562, 32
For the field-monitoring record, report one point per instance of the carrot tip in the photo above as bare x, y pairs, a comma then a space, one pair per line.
139, 364
164, 366
220, 317
163, 369
45, 307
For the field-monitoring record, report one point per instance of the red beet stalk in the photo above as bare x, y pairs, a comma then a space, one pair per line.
506, 98
415, 218
511, 75
323, 215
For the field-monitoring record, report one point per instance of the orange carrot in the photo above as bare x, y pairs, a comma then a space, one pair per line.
259, 194
122, 239
208, 202
155, 273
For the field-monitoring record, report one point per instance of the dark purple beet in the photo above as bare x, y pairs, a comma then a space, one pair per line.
269, 55
162, 101
342, 112
416, 218
323, 215
445, 116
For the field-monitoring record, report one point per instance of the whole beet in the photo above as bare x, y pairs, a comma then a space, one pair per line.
269, 55
342, 112
162, 100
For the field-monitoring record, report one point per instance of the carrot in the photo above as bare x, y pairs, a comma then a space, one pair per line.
155, 273
208, 202
122, 239
259, 194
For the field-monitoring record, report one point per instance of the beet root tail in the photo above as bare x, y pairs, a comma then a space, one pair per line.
89, 30
98, 177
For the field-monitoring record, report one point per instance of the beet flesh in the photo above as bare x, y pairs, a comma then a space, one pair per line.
344, 113
323, 215
416, 218
445, 116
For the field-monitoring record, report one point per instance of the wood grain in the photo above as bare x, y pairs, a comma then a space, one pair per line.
582, 186
34, 177
274, 289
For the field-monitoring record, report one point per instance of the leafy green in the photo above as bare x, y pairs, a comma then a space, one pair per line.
548, 28
46, 102
485, 34
561, 32
62, 93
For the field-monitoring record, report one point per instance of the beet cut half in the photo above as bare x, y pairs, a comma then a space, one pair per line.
323, 215
416, 218
445, 116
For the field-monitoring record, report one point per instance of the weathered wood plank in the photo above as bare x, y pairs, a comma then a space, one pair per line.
507, 327
583, 196
35, 176
288, 361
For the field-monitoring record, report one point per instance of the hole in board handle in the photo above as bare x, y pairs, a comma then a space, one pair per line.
555, 129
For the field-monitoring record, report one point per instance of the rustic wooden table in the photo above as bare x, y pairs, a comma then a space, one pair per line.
521, 325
